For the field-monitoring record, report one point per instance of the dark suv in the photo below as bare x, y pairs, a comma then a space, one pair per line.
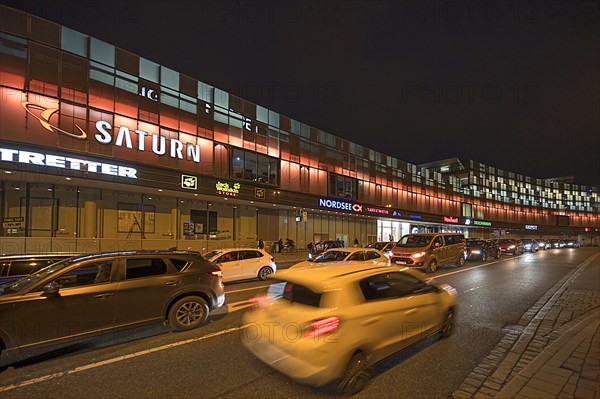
93, 294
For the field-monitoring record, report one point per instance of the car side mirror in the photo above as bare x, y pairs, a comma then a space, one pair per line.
51, 289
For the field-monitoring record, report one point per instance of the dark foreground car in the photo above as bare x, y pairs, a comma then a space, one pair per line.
15, 267
89, 295
481, 250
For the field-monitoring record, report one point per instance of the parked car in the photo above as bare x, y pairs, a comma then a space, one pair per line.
242, 263
383, 246
323, 246
428, 250
94, 294
511, 246
15, 267
571, 243
530, 245
544, 243
556, 243
481, 249
346, 256
347, 319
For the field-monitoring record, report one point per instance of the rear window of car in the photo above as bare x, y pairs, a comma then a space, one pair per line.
179, 263
296, 293
20, 267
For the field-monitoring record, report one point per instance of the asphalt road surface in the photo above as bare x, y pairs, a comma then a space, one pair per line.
210, 362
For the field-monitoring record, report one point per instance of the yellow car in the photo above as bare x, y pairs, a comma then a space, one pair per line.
331, 327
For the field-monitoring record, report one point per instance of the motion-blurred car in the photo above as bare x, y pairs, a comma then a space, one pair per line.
15, 267
511, 246
346, 319
428, 250
479, 249
570, 243
556, 243
242, 263
94, 294
530, 245
346, 256
323, 246
383, 246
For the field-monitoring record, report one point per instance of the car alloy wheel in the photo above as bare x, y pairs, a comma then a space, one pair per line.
188, 313
483, 257
461, 261
264, 272
448, 323
356, 376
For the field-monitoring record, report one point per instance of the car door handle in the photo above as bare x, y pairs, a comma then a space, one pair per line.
172, 282
105, 295
370, 321
410, 311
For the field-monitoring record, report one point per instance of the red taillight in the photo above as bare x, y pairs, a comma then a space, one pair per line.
258, 299
322, 327
216, 271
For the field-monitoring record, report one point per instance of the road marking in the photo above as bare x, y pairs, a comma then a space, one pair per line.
114, 360
470, 268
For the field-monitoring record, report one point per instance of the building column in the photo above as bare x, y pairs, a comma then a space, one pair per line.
174, 223
90, 215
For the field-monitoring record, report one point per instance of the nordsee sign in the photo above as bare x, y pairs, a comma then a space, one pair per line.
334, 204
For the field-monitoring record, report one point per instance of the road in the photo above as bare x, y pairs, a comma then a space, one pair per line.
210, 362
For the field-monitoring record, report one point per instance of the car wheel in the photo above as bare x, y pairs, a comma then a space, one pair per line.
497, 255
432, 266
264, 272
356, 376
448, 327
188, 313
483, 257
461, 260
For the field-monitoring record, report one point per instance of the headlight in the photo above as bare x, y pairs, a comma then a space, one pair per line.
476, 252
418, 254
511, 247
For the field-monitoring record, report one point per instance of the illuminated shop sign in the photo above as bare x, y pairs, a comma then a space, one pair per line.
123, 137
226, 189
415, 216
189, 182
148, 93
55, 161
477, 222
531, 227
396, 213
340, 205
378, 210
449, 219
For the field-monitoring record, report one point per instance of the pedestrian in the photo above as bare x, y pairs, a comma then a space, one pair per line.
310, 246
279, 245
261, 244
356, 244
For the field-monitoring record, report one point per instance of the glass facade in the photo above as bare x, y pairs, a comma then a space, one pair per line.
133, 110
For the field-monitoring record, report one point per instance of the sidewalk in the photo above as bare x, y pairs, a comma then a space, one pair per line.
554, 350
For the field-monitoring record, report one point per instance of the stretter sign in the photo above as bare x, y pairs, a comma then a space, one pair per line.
124, 137
56, 161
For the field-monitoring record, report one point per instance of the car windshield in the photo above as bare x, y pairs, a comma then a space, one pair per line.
527, 241
212, 254
475, 242
505, 241
331, 256
415, 241
27, 281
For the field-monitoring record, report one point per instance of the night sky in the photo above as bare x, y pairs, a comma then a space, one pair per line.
514, 85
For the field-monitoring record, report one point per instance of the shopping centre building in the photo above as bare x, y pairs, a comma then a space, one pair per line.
101, 149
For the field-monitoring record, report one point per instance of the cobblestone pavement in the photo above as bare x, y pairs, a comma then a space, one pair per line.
553, 351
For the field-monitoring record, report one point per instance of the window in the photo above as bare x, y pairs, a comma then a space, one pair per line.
438, 242
251, 166
144, 267
373, 255
179, 263
360, 256
390, 286
299, 294
21, 267
228, 257
250, 255
89, 273
342, 186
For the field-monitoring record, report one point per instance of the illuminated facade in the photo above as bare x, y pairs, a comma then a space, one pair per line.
101, 149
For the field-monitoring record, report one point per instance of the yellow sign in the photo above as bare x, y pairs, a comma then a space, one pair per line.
189, 182
226, 189
13, 223
259, 193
